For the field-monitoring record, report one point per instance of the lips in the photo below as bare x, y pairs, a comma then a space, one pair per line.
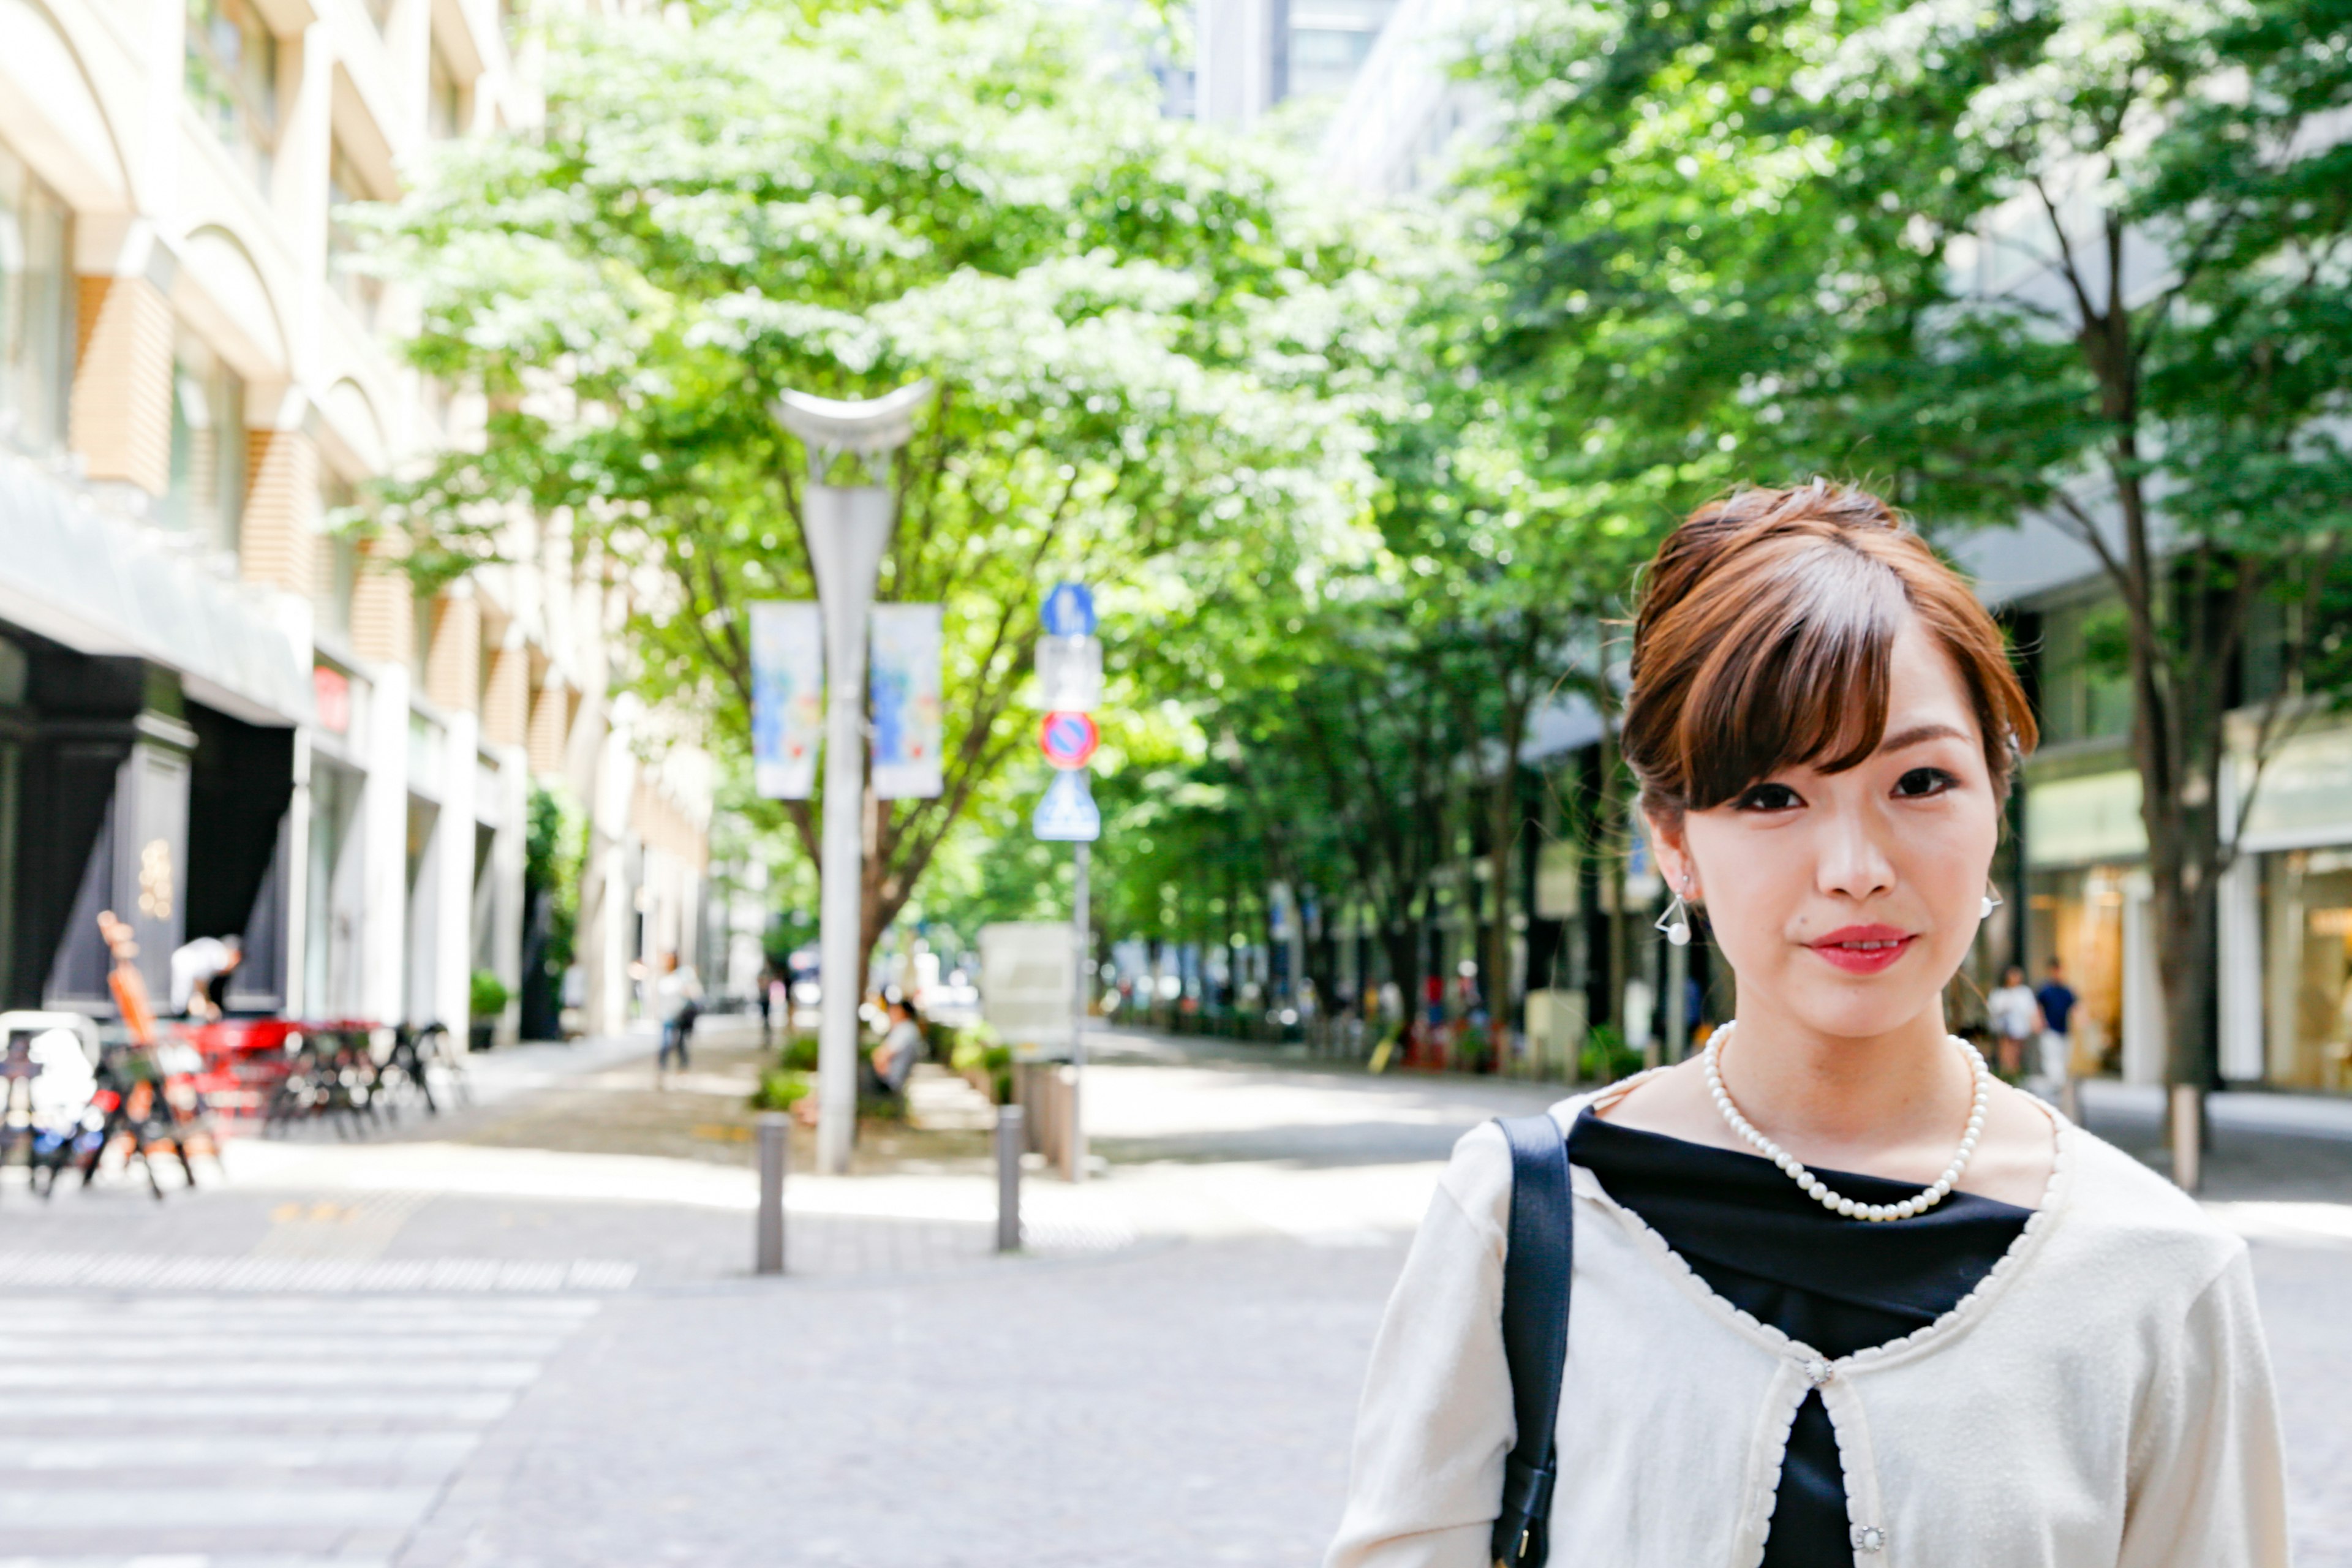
1863, 950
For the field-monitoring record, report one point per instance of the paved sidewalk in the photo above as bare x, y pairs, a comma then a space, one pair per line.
1167, 1382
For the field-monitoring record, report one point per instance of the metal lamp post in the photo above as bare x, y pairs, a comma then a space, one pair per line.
848, 528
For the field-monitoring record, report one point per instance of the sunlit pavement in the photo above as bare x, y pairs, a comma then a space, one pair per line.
513, 1335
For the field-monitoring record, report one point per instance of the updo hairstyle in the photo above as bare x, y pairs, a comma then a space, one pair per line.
1762, 641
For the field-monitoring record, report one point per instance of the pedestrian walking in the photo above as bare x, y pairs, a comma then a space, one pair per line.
2057, 1000
2016, 1021
677, 998
1741, 1309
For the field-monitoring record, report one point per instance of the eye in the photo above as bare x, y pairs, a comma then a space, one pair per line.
1768, 797
1919, 782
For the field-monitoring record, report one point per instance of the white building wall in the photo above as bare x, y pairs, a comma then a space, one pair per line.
382, 847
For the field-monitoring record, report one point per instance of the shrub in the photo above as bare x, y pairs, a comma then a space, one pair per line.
980, 1049
798, 1054
780, 1088
490, 994
1607, 1058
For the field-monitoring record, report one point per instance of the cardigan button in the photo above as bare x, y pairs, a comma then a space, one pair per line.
1817, 1370
1867, 1538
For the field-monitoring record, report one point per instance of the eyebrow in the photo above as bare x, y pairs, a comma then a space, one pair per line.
1919, 732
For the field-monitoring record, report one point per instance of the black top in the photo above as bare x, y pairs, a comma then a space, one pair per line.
1835, 1284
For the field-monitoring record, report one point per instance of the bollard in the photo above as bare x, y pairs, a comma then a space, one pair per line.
1068, 1125
1009, 1143
775, 1146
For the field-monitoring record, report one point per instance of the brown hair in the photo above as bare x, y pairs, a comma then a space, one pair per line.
1763, 639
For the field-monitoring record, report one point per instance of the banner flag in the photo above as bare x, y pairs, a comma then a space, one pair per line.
905, 675
787, 698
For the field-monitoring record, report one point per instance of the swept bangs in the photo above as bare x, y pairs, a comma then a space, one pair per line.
1764, 639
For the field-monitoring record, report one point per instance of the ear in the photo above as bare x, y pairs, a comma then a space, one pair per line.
1673, 851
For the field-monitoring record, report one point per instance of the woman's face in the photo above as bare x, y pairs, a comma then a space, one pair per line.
1844, 902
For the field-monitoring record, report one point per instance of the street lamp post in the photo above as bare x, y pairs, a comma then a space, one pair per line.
848, 527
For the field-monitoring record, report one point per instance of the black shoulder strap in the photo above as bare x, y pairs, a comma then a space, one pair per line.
1536, 1272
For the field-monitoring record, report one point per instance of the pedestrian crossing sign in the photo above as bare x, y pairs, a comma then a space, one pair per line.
1067, 815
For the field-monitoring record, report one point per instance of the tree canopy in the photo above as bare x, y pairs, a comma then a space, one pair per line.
1151, 361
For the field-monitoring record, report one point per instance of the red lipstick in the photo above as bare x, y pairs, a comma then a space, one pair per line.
1863, 950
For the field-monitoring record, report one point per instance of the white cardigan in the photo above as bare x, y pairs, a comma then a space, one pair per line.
2102, 1397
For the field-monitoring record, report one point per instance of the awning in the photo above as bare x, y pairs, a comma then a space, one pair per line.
99, 583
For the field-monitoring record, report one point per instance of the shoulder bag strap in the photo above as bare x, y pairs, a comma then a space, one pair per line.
1536, 1270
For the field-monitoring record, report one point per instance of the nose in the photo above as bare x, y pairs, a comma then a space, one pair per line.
1852, 863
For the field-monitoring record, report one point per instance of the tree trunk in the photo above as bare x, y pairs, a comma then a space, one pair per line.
1401, 943
2179, 743
1608, 840
1501, 833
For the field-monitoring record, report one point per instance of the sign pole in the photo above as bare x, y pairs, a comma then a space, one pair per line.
1079, 921
1069, 676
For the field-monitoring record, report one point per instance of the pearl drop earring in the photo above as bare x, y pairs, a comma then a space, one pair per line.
1675, 922
1992, 902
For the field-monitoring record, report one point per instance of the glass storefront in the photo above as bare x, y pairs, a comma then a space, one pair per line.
331, 937
2307, 982
2078, 919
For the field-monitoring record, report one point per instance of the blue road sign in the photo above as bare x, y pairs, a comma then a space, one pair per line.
1069, 611
1067, 814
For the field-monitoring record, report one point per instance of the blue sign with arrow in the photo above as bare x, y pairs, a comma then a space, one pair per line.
1069, 611
1067, 815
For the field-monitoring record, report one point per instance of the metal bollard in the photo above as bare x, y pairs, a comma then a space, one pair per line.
1009, 1142
775, 1146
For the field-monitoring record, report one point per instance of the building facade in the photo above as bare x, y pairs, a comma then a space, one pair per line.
220, 711
2077, 860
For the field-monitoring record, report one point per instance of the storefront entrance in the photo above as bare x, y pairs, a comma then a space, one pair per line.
2307, 984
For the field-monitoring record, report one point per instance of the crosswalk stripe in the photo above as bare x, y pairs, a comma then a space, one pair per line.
437, 1452
196, 1560
354, 1374
119, 1509
57, 1269
146, 1428
141, 1344
478, 1409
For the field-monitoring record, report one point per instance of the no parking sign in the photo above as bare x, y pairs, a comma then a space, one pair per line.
1069, 739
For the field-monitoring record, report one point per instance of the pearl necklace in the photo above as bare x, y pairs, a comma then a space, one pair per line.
1819, 1191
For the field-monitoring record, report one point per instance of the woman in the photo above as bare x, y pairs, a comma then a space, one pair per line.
1840, 1295
2016, 1018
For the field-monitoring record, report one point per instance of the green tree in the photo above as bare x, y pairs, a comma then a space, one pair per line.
2078, 259
1143, 352
2145, 333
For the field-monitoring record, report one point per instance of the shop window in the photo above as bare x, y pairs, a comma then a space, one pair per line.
205, 499
2274, 629
420, 640
2307, 901
2085, 680
338, 558
332, 907
2077, 918
36, 309
346, 268
232, 77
